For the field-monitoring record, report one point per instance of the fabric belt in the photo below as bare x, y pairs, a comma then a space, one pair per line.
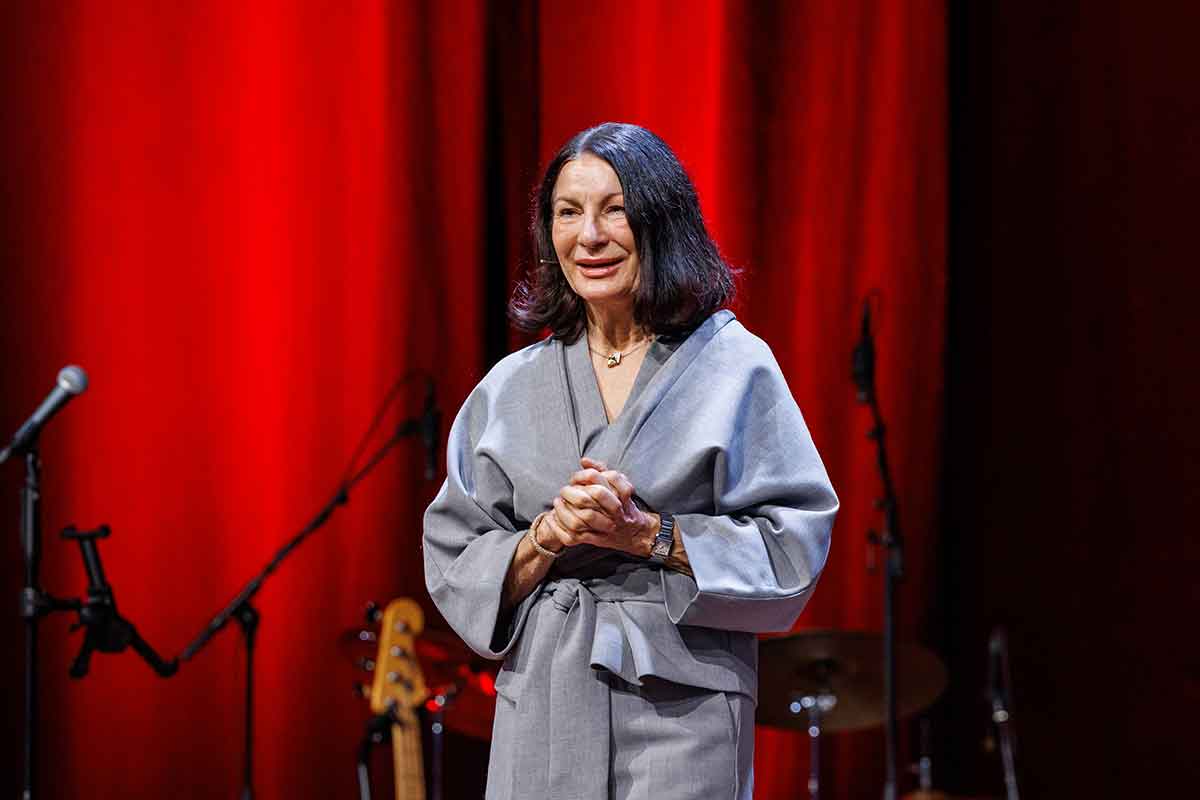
587, 626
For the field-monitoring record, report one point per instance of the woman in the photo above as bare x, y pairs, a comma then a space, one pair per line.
629, 500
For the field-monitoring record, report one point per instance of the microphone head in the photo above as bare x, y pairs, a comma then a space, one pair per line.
72, 379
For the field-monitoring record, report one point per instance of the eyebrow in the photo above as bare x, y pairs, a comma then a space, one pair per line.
604, 199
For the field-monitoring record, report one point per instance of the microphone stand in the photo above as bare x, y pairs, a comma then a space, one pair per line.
889, 539
33, 604
1000, 695
107, 631
248, 616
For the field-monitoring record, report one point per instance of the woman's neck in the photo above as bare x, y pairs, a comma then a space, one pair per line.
613, 329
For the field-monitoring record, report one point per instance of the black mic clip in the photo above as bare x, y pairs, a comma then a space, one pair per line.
431, 425
105, 630
863, 358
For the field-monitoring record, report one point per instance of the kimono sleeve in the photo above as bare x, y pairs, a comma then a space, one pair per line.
756, 560
470, 538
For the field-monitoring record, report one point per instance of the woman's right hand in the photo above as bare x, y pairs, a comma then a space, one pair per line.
596, 505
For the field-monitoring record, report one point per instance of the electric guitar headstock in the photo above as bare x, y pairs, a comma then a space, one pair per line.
398, 685
398, 688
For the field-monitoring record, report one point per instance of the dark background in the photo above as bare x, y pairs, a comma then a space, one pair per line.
1071, 440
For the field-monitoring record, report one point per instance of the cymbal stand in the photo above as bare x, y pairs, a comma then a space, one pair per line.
436, 709
815, 705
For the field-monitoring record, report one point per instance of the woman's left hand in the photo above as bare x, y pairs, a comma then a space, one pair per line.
629, 529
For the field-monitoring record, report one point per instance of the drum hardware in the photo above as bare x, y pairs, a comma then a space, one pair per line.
923, 769
435, 709
814, 706
825, 681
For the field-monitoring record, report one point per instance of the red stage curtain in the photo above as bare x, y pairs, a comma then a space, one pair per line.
246, 221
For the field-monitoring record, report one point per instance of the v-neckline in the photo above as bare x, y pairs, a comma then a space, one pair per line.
581, 355
637, 378
607, 439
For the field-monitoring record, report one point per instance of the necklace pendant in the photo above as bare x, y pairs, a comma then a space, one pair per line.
614, 359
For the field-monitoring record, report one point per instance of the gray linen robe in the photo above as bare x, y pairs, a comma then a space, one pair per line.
710, 433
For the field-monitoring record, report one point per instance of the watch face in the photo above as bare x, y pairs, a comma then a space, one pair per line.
661, 549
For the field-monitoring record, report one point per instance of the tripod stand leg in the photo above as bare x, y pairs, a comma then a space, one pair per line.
82, 662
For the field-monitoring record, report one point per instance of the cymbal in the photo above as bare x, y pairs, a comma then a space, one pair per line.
848, 665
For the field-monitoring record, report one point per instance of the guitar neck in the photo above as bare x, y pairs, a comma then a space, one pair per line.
407, 759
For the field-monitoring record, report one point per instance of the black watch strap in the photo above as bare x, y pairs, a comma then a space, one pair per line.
664, 540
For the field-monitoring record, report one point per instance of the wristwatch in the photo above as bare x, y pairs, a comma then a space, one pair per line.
664, 540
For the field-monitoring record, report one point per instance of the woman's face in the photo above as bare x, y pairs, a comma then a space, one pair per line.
591, 235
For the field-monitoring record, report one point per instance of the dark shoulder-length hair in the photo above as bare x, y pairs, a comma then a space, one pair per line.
683, 277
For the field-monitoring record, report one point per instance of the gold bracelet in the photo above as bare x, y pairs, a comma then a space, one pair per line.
533, 539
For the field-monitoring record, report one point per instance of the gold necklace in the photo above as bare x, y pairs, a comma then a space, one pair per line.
614, 358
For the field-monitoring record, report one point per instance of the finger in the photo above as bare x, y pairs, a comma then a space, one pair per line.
590, 476
551, 524
579, 522
591, 496
596, 497
598, 521
567, 517
620, 483
591, 463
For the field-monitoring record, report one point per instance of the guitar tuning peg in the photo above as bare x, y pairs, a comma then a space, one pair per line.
373, 613
361, 691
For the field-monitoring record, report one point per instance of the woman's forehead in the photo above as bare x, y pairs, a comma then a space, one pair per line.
587, 175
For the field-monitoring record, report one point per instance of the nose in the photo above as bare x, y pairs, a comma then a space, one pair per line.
593, 234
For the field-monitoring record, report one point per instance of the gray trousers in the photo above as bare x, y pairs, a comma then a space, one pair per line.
672, 741
666, 742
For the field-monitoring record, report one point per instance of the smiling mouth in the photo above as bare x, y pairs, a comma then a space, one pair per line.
598, 267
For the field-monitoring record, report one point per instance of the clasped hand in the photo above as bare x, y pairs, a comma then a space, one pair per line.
597, 508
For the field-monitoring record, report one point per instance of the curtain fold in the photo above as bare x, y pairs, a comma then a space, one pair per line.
246, 221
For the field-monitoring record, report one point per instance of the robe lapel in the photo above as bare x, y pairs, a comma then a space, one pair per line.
641, 406
552, 439
658, 373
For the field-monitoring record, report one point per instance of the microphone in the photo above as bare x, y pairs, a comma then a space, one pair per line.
431, 425
863, 361
72, 380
